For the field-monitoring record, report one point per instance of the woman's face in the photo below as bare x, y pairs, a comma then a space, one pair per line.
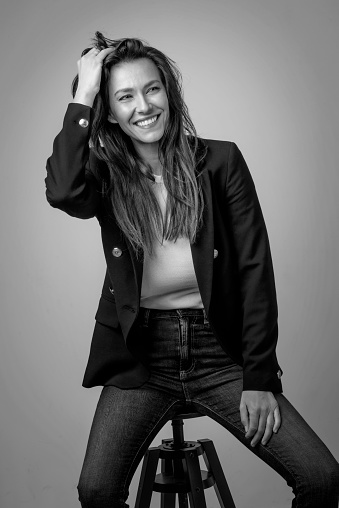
138, 101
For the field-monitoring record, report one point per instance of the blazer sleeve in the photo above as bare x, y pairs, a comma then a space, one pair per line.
70, 184
256, 278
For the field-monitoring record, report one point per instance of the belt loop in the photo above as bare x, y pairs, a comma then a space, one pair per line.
146, 316
206, 322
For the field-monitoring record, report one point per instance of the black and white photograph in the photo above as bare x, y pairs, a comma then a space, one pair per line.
170, 249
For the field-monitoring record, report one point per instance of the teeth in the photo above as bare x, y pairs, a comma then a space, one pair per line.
147, 122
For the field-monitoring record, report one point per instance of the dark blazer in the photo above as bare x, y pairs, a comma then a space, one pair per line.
231, 258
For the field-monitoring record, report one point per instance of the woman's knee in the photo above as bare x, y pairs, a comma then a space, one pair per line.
320, 485
93, 494
330, 480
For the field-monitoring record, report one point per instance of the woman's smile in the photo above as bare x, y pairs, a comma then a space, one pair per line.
147, 123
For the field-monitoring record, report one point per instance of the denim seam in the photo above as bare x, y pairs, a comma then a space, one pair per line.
189, 370
140, 447
192, 342
190, 327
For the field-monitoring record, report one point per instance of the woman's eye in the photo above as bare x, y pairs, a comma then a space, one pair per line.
123, 97
153, 88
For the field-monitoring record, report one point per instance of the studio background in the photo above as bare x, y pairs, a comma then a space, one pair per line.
262, 73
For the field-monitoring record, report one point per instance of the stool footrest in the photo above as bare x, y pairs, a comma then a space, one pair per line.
167, 483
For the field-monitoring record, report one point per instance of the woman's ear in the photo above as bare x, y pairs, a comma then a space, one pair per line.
111, 118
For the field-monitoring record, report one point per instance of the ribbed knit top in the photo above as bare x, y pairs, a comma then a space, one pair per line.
169, 280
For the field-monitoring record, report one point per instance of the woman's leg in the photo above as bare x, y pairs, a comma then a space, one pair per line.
295, 452
125, 423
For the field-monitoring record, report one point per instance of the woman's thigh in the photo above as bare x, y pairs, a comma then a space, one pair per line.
124, 424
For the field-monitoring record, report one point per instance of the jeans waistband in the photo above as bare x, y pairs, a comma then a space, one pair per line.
146, 314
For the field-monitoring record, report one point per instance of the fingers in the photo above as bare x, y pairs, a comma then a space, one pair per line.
257, 427
244, 416
268, 428
277, 419
103, 53
270, 424
260, 415
99, 54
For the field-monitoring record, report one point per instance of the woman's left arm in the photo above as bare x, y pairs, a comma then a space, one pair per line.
261, 377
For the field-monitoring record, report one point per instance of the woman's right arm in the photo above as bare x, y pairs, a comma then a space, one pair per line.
70, 183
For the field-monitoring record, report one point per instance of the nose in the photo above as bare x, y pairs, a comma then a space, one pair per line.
142, 106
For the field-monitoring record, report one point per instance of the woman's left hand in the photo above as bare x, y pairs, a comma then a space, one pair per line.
260, 415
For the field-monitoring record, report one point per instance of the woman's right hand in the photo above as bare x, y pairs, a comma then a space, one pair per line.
89, 73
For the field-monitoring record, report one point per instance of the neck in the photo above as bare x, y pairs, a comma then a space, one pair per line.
149, 153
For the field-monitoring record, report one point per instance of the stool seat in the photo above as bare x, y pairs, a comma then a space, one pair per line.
183, 415
180, 471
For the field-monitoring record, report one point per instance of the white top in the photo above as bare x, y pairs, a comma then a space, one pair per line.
169, 280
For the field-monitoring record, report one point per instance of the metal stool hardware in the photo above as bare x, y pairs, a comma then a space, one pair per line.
180, 471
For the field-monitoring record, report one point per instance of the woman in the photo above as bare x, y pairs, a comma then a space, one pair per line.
188, 313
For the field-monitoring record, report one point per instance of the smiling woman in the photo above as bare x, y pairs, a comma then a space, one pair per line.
141, 127
139, 104
188, 313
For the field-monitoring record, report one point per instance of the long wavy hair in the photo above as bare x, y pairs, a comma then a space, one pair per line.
126, 177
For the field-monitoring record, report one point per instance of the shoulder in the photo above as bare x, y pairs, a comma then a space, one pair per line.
217, 144
221, 158
219, 152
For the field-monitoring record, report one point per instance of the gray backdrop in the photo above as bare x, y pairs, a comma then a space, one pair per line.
262, 73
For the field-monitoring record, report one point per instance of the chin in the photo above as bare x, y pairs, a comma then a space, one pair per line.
152, 138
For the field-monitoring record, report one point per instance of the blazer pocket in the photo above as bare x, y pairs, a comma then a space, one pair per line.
108, 294
107, 312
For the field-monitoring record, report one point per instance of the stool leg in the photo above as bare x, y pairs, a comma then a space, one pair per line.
168, 499
183, 500
213, 465
179, 472
147, 476
196, 494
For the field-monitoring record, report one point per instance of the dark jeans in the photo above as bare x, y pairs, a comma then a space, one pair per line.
188, 366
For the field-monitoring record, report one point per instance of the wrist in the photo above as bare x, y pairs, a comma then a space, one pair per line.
86, 98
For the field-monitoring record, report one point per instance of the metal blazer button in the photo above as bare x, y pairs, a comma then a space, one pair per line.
116, 252
111, 290
215, 253
83, 123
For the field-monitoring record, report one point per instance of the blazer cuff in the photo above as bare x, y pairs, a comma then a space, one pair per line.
270, 382
80, 115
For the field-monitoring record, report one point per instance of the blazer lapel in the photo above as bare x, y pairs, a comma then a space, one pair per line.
137, 267
202, 249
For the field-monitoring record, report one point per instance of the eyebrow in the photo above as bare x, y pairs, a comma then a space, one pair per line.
126, 90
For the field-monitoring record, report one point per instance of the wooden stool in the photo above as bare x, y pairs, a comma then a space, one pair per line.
180, 471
